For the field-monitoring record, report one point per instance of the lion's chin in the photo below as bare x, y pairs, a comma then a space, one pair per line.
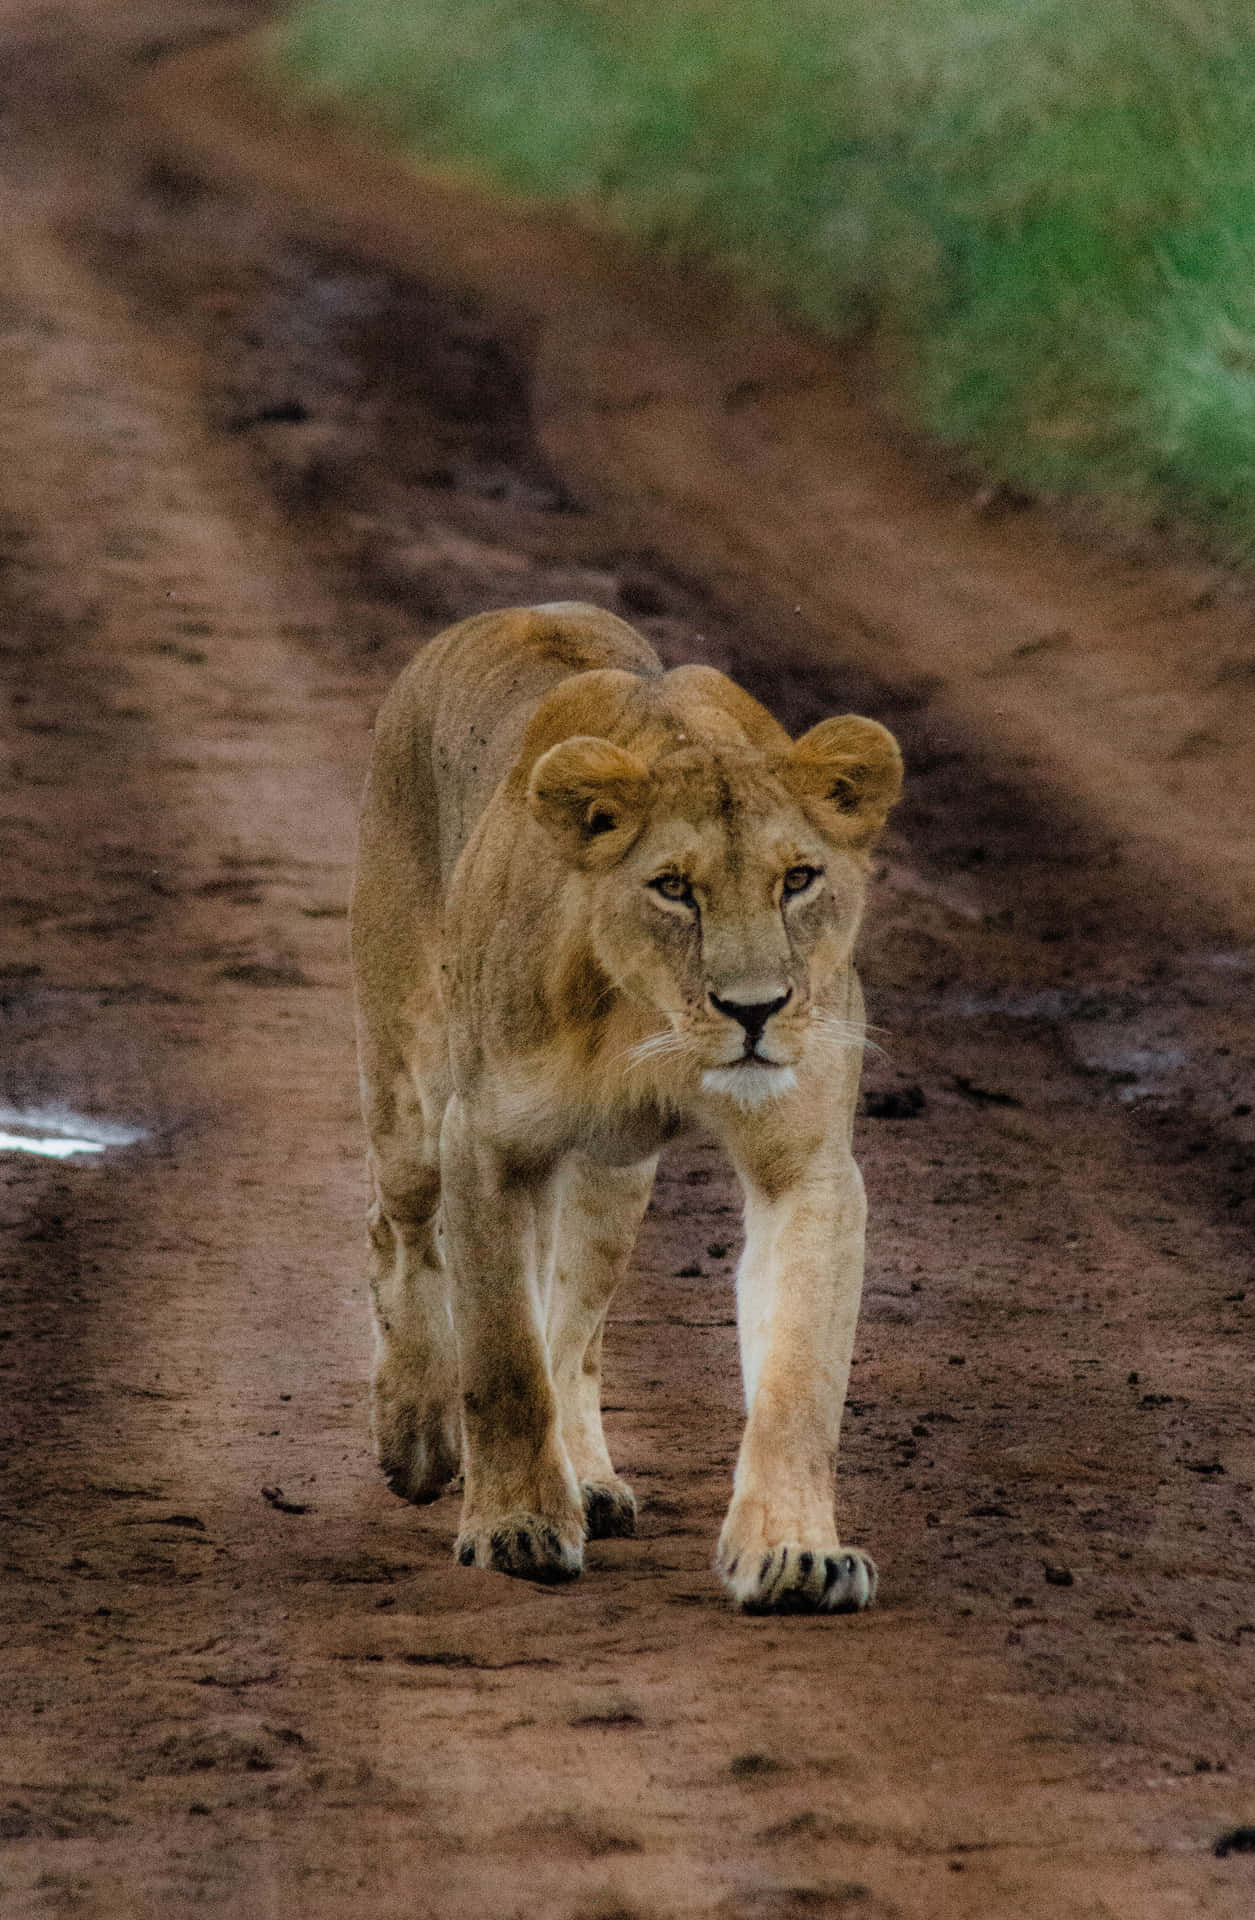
749, 1083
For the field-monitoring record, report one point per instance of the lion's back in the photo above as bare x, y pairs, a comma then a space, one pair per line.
448, 732
453, 724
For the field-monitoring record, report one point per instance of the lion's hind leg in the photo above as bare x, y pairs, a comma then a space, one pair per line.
414, 1385
598, 1214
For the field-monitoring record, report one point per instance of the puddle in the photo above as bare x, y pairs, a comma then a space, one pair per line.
1161, 1041
54, 1134
1055, 1004
1227, 959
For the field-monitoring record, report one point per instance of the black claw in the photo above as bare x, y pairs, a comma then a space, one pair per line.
850, 1564
764, 1569
523, 1540
805, 1561
466, 1554
735, 1564
832, 1573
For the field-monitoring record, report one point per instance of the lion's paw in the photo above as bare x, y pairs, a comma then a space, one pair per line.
523, 1544
791, 1578
419, 1452
609, 1509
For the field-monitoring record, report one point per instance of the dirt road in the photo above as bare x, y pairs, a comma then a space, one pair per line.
249, 458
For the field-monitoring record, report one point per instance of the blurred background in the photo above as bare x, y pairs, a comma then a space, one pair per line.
1042, 212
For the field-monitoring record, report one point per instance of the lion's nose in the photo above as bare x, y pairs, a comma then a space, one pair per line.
753, 1015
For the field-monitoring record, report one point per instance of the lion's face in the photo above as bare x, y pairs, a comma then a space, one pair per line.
722, 889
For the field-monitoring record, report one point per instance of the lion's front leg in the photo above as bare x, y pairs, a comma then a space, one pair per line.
798, 1291
523, 1512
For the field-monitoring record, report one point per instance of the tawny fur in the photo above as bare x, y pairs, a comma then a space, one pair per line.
597, 903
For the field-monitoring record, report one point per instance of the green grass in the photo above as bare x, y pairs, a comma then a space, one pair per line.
1047, 206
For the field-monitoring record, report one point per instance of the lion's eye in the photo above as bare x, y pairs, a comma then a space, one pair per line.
673, 886
797, 879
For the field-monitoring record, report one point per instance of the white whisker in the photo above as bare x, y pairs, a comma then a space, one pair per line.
659, 1046
832, 1031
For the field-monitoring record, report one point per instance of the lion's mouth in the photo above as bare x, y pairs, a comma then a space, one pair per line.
750, 1079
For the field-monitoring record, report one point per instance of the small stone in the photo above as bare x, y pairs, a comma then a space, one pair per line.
894, 1103
275, 1497
1236, 1840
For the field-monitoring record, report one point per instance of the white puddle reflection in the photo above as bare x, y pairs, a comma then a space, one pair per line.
58, 1135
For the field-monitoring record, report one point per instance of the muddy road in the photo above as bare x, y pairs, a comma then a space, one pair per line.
249, 458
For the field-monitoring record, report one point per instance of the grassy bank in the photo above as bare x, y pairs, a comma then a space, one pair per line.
1048, 207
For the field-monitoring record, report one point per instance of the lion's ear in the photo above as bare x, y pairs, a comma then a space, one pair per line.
849, 771
592, 797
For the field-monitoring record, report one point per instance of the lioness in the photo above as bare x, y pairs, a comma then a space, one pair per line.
597, 902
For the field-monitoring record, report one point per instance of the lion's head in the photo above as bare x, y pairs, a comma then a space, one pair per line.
720, 881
